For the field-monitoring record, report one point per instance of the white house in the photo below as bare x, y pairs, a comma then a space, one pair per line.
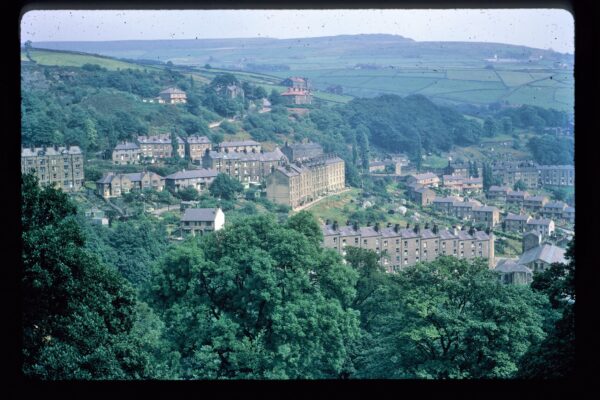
202, 220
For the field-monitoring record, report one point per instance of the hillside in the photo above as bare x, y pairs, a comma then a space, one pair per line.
370, 65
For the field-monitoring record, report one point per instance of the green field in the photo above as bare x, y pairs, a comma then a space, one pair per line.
63, 59
439, 73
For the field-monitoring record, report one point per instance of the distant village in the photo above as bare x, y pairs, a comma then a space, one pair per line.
299, 174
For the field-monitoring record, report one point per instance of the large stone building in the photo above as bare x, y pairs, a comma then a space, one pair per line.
428, 179
300, 183
301, 151
115, 185
246, 167
557, 175
160, 147
296, 82
198, 179
296, 96
241, 146
513, 171
61, 167
173, 96
126, 153
199, 221
399, 248
196, 147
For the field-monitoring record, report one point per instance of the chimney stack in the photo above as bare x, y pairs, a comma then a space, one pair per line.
397, 228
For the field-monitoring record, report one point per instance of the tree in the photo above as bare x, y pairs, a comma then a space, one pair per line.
267, 301
519, 185
555, 356
507, 125
490, 127
225, 187
447, 319
78, 315
275, 98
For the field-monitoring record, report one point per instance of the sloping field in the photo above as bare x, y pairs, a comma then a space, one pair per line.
45, 57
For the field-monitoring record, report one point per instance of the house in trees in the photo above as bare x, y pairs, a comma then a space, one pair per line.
538, 256
115, 185
199, 179
172, 95
200, 221
513, 273
296, 96
296, 82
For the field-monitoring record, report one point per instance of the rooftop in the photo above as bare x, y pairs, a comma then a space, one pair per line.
274, 155
239, 143
193, 173
172, 90
199, 214
547, 253
50, 151
198, 139
127, 146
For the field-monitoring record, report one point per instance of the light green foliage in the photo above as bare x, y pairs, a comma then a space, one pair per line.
257, 300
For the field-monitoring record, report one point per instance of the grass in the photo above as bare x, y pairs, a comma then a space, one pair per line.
332, 207
64, 59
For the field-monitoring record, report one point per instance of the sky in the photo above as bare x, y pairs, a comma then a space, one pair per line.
538, 28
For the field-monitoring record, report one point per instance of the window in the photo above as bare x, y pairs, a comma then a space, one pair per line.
355, 240
405, 261
365, 241
405, 243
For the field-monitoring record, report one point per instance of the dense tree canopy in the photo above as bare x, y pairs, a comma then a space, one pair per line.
444, 319
267, 301
552, 150
78, 315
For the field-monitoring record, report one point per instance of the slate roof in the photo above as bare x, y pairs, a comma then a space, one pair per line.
446, 199
158, 139
515, 217
486, 208
499, 189
542, 221
508, 266
50, 151
127, 146
199, 214
172, 90
555, 204
536, 198
274, 155
547, 253
239, 143
517, 193
193, 173
427, 175
198, 139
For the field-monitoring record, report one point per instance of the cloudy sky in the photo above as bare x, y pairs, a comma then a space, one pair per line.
539, 28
